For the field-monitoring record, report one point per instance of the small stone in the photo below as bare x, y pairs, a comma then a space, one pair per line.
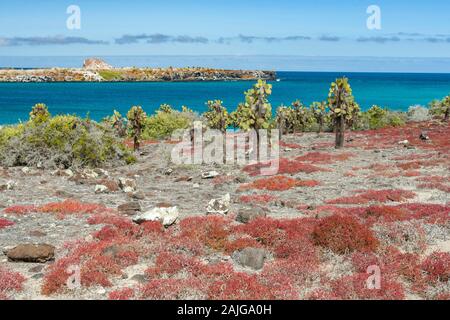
99, 188
209, 174
101, 291
138, 195
167, 216
219, 206
26, 170
246, 215
139, 278
36, 269
127, 185
10, 185
184, 178
37, 233
129, 208
253, 258
89, 173
39, 253
424, 136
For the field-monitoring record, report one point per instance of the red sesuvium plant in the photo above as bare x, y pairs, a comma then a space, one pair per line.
381, 196
437, 267
278, 183
285, 166
240, 286
355, 287
344, 234
10, 282
325, 158
257, 198
5, 223
122, 294
61, 209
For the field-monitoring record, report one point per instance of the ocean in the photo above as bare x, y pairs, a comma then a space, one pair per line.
396, 91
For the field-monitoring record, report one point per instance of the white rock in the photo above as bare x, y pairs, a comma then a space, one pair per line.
128, 189
68, 173
10, 185
90, 174
26, 170
100, 188
167, 216
209, 174
219, 206
103, 172
404, 142
127, 185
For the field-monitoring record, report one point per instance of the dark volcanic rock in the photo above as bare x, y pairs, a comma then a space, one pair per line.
129, 208
245, 215
250, 257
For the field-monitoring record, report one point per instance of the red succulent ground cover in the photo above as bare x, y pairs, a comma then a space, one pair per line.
5, 223
10, 282
387, 138
285, 166
278, 183
325, 158
257, 198
375, 196
179, 269
344, 234
61, 209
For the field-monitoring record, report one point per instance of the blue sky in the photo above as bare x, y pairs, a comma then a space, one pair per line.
217, 27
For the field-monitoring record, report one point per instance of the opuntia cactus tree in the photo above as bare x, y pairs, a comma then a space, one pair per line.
319, 110
39, 113
118, 123
257, 99
166, 108
340, 102
217, 116
283, 119
300, 116
136, 119
446, 107
352, 119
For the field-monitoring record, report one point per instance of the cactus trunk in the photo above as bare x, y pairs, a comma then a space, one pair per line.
340, 131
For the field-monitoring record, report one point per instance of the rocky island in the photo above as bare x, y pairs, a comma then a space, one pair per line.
96, 70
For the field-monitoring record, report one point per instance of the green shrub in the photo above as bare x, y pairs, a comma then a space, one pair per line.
61, 142
39, 113
163, 124
110, 75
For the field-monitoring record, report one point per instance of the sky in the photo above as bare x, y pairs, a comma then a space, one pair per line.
325, 28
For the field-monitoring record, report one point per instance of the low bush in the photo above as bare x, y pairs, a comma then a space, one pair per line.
61, 142
5, 223
437, 267
165, 122
10, 282
344, 234
375, 196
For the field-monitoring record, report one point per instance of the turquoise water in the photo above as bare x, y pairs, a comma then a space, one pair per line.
396, 91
